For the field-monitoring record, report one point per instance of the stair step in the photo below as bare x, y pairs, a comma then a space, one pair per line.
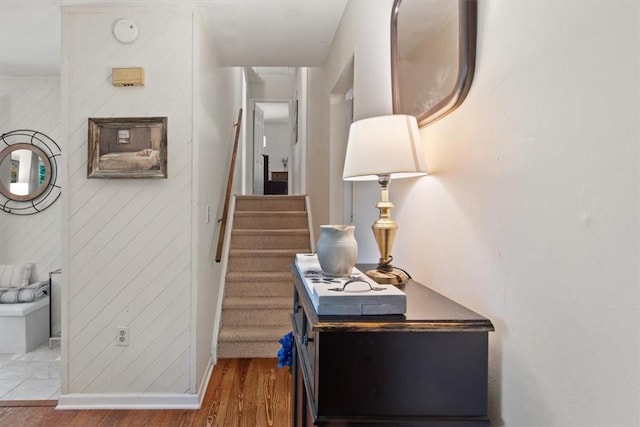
270, 203
251, 303
259, 284
262, 260
268, 289
267, 316
262, 333
270, 220
242, 341
253, 350
270, 238
252, 276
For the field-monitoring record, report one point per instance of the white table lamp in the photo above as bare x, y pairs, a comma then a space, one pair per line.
382, 148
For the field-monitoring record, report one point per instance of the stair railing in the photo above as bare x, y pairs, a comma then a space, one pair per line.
225, 210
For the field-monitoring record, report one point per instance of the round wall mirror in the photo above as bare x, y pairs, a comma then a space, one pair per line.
25, 172
28, 172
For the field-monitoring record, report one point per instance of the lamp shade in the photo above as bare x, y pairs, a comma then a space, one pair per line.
384, 145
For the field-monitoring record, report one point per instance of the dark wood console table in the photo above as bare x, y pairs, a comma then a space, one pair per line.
425, 368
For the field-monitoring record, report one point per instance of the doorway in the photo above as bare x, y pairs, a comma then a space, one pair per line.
272, 138
34, 375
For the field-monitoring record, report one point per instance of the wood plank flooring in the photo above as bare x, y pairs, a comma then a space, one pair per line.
241, 392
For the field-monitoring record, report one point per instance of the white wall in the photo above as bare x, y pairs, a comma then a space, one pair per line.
363, 38
298, 178
531, 213
271, 88
217, 93
140, 253
278, 141
128, 243
318, 150
338, 135
31, 103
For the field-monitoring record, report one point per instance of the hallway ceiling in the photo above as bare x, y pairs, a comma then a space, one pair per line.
247, 32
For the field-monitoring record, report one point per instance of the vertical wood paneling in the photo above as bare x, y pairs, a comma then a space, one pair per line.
129, 240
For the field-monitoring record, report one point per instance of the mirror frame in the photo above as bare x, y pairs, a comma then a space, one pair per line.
467, 20
47, 167
46, 195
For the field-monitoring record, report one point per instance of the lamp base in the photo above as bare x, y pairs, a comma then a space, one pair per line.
393, 277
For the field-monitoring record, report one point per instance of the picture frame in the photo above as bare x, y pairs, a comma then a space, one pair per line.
127, 147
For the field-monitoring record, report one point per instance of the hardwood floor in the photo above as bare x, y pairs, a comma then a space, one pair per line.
241, 392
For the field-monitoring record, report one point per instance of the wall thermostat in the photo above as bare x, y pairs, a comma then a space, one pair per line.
125, 30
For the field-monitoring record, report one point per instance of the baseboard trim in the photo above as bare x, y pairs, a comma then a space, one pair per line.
74, 401
205, 382
27, 403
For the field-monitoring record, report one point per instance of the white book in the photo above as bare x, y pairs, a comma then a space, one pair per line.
352, 296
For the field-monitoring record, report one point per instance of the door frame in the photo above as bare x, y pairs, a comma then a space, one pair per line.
251, 161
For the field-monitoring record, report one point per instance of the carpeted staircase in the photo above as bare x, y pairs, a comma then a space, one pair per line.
267, 233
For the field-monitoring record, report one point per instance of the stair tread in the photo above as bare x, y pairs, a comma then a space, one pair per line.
253, 333
266, 303
271, 213
270, 197
274, 252
251, 231
258, 276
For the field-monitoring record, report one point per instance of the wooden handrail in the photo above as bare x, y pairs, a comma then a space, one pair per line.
227, 196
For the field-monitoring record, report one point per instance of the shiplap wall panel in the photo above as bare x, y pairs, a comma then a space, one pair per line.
134, 215
168, 318
163, 311
174, 330
129, 240
31, 103
133, 268
132, 204
176, 339
165, 381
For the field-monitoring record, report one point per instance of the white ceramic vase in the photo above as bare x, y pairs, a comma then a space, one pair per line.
337, 250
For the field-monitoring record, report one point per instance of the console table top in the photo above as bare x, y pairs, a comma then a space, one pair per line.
427, 310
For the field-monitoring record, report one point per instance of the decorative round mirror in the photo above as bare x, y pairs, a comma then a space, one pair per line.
28, 172
25, 172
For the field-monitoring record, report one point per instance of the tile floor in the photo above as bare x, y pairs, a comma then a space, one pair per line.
31, 376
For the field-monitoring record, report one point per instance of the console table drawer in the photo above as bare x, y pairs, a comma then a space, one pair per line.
305, 339
428, 374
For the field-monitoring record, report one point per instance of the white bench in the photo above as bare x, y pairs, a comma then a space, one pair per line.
23, 326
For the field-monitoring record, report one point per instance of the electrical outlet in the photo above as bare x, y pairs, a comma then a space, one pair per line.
123, 336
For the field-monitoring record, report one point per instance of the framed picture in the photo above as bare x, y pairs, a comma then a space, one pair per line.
132, 147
